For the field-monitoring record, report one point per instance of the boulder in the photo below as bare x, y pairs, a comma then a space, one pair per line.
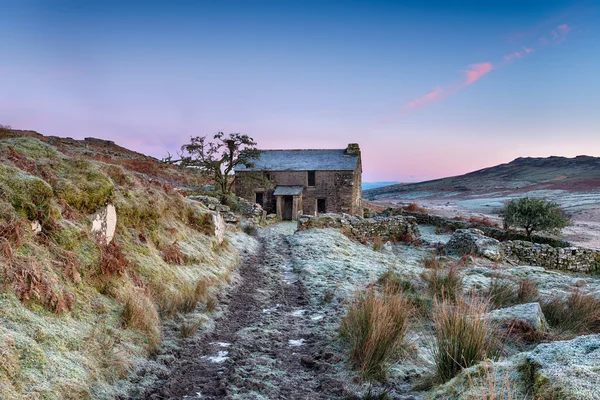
473, 241
530, 312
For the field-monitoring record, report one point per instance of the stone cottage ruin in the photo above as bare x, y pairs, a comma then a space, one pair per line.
294, 182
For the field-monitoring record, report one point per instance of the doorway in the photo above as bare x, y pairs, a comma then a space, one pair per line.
288, 207
321, 206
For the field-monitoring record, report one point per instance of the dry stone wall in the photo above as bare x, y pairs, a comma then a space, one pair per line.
387, 228
577, 259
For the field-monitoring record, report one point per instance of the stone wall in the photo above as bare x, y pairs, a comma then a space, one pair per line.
473, 241
564, 258
388, 228
454, 224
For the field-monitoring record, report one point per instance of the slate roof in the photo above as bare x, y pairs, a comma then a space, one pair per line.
302, 160
288, 190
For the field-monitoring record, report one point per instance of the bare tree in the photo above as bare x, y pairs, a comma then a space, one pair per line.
217, 158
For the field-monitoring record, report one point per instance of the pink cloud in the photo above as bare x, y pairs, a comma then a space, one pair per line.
436, 95
527, 50
559, 34
476, 71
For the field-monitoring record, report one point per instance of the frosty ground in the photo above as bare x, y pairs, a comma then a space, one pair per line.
276, 336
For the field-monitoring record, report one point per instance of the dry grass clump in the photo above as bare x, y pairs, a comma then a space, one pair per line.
482, 221
202, 222
185, 300
172, 254
446, 284
139, 313
431, 262
504, 293
375, 326
188, 329
102, 343
377, 243
579, 313
463, 336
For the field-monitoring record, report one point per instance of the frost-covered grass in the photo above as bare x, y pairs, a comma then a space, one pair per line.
70, 329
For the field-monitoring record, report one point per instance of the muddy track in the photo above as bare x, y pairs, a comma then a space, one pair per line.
265, 346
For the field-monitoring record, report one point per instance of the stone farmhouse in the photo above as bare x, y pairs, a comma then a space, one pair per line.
295, 182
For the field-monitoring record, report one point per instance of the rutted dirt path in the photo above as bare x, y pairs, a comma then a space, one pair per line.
265, 346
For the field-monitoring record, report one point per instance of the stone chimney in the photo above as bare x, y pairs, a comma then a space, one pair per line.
352, 150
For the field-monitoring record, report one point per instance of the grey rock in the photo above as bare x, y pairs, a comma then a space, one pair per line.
530, 312
473, 241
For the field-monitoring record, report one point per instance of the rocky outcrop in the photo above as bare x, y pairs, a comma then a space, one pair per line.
565, 369
473, 241
530, 312
387, 228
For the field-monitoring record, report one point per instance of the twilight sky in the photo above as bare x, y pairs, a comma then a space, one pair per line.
429, 89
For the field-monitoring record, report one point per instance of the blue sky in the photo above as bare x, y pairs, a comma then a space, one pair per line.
428, 89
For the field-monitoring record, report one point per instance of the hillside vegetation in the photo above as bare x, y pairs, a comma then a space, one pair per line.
76, 313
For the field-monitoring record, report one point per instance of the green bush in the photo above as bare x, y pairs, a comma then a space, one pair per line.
534, 214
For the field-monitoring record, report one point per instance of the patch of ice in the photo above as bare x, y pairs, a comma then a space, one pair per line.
221, 344
219, 358
296, 343
272, 309
316, 317
298, 313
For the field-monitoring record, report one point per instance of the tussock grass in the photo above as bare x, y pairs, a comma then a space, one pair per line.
446, 284
375, 327
578, 313
505, 293
432, 262
377, 243
463, 336
188, 329
139, 313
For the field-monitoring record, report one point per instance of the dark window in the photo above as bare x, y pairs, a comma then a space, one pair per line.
259, 198
311, 178
321, 206
268, 176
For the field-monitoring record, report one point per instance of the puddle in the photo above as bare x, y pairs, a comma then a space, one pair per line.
272, 309
289, 277
219, 358
221, 344
296, 343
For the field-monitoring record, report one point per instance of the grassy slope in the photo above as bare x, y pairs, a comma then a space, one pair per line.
74, 315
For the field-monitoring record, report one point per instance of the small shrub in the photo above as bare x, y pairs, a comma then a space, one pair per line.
375, 326
519, 330
463, 336
414, 207
377, 243
172, 254
482, 221
579, 313
202, 222
447, 284
407, 238
139, 313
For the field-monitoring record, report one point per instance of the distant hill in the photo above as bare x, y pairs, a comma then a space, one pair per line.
375, 185
578, 174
